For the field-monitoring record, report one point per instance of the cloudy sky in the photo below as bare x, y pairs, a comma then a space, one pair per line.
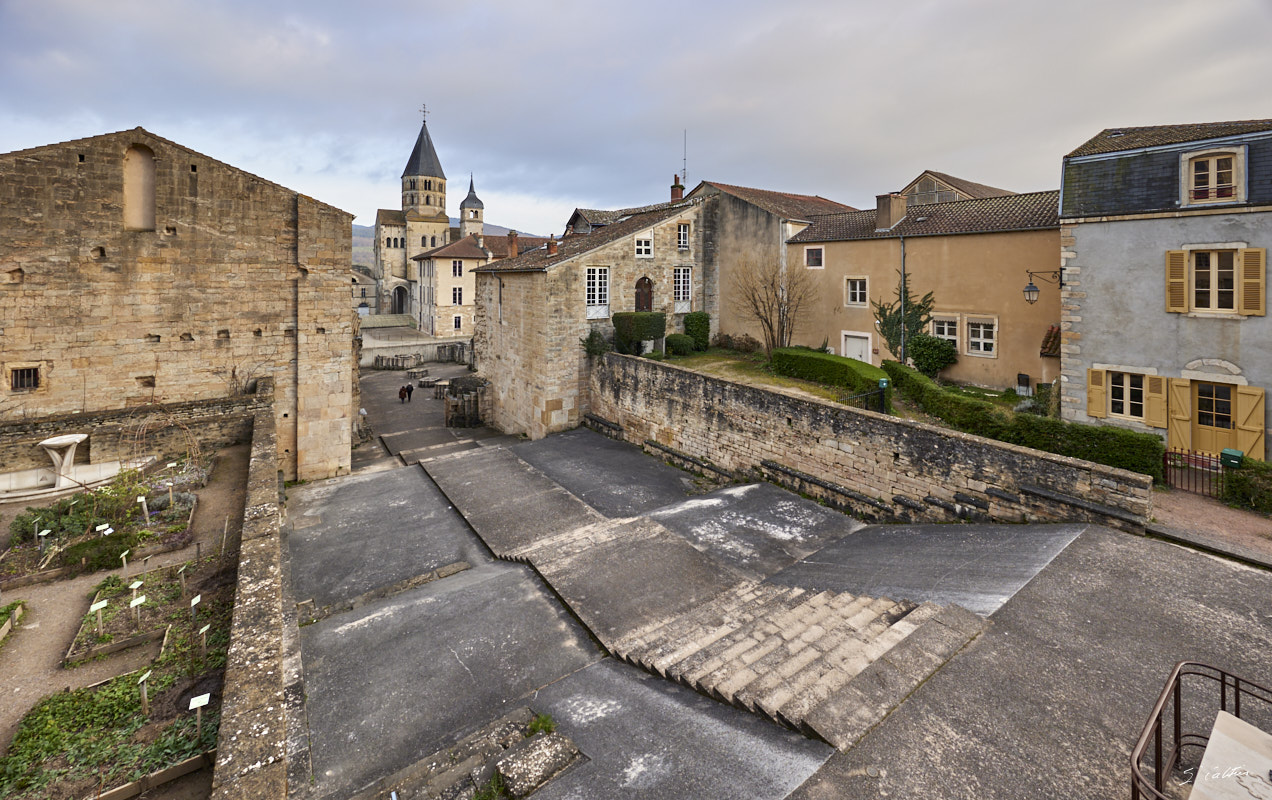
554, 104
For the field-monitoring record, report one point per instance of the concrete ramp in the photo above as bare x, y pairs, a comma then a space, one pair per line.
510, 504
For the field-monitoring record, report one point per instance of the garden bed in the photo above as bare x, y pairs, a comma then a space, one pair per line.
8, 616
123, 626
76, 744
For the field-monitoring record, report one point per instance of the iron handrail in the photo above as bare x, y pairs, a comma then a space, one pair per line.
1142, 786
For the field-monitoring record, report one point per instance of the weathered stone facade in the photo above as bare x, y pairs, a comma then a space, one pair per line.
876, 466
135, 271
532, 312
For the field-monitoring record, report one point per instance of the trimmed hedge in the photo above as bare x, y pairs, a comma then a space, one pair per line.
698, 326
814, 365
633, 327
1250, 486
1113, 447
678, 344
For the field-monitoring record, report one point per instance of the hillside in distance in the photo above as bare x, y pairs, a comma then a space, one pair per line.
363, 235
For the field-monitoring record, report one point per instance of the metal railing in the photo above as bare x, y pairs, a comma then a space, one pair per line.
1169, 729
1193, 471
871, 400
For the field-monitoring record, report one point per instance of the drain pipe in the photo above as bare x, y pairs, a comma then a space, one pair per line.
905, 292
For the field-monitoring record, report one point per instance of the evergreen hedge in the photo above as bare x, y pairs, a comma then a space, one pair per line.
1114, 447
814, 365
633, 327
1249, 486
698, 326
678, 344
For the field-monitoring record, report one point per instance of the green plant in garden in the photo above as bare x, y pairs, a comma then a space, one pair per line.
904, 318
931, 354
698, 326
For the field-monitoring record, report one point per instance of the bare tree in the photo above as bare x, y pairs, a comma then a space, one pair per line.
772, 294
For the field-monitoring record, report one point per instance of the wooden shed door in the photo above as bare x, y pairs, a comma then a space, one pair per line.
644, 295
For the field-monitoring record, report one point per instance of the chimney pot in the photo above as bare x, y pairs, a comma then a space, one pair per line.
677, 189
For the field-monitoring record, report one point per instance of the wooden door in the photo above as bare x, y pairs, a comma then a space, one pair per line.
644, 295
1214, 407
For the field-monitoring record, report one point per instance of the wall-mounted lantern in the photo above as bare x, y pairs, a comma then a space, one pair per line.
1049, 276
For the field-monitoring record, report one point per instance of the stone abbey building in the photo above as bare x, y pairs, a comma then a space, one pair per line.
137, 272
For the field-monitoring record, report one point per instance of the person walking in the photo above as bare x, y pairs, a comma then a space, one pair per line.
409, 391
401, 394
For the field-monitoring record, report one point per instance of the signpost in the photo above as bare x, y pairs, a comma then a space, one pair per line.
98, 606
145, 700
196, 705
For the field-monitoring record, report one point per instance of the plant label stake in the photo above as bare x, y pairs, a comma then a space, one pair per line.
103, 529
124, 557
145, 511
145, 563
98, 606
203, 641
135, 585
170, 508
181, 575
43, 537
35, 526
194, 608
225, 531
135, 605
145, 699
196, 705
198, 550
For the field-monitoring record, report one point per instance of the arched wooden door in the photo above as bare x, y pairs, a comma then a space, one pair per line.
399, 300
644, 295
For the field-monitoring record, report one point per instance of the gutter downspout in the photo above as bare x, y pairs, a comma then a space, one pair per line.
905, 291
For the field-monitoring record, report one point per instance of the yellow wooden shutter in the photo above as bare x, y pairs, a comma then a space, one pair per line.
1177, 281
1251, 421
1095, 393
1253, 263
1179, 427
1155, 401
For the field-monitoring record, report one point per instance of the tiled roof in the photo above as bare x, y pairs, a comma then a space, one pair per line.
389, 216
538, 260
1051, 342
464, 248
783, 204
969, 188
1013, 212
1113, 140
498, 245
598, 217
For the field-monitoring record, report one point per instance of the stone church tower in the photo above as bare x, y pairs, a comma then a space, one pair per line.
471, 212
424, 197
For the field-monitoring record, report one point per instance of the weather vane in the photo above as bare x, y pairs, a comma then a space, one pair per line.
424, 111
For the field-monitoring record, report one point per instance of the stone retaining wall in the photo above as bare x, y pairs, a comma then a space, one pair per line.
875, 466
251, 746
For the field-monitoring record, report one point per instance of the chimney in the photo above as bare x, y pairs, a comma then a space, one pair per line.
891, 210
481, 241
677, 189
552, 245
512, 244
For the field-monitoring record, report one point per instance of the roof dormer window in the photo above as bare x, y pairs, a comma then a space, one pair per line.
1217, 176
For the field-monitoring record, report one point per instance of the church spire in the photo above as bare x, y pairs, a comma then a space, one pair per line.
423, 162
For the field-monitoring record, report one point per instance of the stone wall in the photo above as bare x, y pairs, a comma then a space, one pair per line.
876, 466
251, 747
184, 286
168, 431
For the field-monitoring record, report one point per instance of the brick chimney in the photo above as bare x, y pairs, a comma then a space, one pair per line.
891, 210
512, 244
552, 245
677, 189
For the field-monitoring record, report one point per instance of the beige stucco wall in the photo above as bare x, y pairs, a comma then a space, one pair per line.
980, 275
239, 279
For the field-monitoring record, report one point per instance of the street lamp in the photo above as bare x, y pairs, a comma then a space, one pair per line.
1050, 276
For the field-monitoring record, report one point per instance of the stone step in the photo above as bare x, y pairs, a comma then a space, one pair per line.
733, 625
688, 625
563, 545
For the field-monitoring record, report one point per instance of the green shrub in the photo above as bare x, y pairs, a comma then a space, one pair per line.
1249, 486
678, 344
814, 365
633, 327
698, 326
595, 343
1114, 447
931, 354
745, 343
99, 552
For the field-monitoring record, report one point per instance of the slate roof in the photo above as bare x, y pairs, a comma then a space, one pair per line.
782, 204
971, 189
389, 216
1112, 140
538, 260
1013, 212
472, 201
598, 217
423, 160
464, 248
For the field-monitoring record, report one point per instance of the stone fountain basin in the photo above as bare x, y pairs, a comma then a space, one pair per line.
32, 484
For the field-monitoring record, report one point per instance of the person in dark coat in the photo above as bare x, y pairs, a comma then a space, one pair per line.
409, 391
402, 394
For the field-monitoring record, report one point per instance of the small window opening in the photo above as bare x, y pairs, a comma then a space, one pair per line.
289, 334
224, 333
81, 158
194, 167
256, 332
187, 337
171, 230
24, 379
322, 330
146, 381
153, 338
99, 253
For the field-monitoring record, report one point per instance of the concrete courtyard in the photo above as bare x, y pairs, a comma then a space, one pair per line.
1085, 624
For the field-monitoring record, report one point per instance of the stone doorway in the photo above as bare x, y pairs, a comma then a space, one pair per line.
644, 294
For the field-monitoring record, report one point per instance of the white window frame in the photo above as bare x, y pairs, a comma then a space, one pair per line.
821, 256
644, 246
1238, 155
682, 235
975, 345
1111, 381
457, 295
1214, 289
950, 319
457, 268
682, 289
458, 322
865, 291
596, 292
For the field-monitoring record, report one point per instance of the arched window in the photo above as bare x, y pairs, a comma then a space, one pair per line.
388, 242
423, 241
428, 201
434, 244
139, 188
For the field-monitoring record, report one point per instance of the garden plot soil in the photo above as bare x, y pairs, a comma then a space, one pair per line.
30, 660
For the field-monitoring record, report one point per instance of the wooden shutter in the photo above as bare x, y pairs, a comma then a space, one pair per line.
1252, 264
1096, 404
1179, 427
1251, 421
1177, 281
1155, 401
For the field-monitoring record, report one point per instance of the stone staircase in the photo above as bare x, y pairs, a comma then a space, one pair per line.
784, 653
